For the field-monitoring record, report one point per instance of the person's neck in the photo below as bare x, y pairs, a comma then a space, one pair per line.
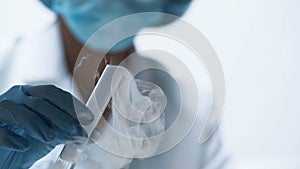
73, 47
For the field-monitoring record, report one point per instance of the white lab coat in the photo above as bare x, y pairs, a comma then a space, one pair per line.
38, 58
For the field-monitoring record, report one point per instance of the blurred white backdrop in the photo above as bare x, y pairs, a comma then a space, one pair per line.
258, 44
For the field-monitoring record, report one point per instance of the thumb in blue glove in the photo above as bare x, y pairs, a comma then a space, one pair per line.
33, 120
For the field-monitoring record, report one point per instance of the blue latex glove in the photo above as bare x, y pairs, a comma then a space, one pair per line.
33, 120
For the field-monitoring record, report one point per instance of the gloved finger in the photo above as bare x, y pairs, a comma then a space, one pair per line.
18, 116
13, 93
65, 127
11, 141
63, 100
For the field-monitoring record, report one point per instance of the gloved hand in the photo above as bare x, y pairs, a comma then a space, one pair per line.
33, 120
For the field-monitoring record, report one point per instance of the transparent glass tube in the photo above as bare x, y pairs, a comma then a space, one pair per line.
68, 157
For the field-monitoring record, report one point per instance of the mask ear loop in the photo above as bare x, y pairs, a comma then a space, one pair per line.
108, 60
105, 61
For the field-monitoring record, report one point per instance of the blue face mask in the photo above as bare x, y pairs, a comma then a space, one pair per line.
85, 17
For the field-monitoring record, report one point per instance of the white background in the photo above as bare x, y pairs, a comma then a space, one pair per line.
258, 44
